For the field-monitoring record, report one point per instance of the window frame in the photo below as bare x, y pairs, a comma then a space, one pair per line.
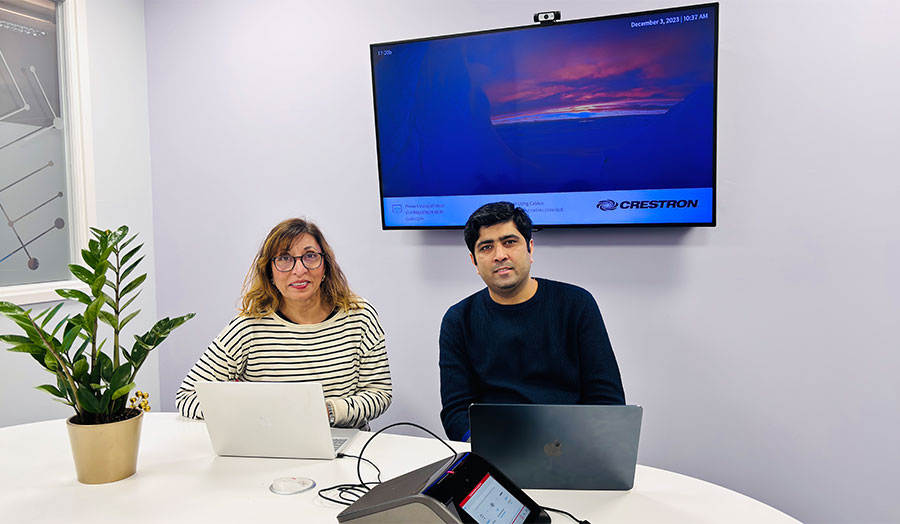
76, 101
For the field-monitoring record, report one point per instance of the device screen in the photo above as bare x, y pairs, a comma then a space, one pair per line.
491, 503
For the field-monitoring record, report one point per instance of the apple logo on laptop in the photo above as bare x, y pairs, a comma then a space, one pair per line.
553, 449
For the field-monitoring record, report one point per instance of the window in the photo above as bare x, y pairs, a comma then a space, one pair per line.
43, 201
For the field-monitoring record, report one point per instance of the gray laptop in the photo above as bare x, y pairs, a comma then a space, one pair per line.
270, 419
559, 446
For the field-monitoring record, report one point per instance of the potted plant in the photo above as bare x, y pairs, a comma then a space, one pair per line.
95, 375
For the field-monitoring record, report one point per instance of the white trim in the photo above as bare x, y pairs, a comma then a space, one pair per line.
79, 151
40, 292
80, 127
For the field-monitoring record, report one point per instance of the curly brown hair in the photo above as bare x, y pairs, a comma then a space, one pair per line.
260, 296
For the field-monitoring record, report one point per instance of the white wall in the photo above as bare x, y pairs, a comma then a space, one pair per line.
121, 153
762, 350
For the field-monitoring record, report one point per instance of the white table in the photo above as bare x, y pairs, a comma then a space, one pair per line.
180, 479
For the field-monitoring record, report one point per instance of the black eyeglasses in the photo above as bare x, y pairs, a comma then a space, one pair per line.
285, 262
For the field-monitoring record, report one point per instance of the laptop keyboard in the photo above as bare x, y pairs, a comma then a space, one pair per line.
338, 442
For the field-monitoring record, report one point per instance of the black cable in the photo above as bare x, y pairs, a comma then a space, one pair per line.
350, 493
342, 490
426, 430
342, 455
566, 513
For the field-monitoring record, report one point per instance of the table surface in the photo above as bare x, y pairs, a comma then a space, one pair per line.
180, 479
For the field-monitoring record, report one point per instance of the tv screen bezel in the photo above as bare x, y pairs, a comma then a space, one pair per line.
539, 26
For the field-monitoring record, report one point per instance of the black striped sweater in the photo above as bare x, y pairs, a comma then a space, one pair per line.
345, 353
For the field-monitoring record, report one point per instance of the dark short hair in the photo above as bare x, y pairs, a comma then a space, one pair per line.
496, 213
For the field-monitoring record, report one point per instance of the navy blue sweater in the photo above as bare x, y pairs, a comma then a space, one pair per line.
550, 349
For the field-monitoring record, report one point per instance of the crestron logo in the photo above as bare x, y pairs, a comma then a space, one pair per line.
607, 205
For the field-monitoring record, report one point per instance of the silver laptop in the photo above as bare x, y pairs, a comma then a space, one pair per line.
270, 419
559, 446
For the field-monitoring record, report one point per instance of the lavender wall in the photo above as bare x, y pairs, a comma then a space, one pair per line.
763, 350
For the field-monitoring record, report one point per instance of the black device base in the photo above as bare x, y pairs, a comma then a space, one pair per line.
435, 494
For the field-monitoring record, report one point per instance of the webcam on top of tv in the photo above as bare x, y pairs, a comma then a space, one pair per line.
547, 17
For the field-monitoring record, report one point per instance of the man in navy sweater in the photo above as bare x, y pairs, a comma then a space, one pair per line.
522, 340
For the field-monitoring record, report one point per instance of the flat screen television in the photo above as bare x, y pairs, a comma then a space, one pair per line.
606, 121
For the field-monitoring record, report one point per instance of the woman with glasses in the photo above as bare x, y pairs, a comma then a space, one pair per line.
299, 322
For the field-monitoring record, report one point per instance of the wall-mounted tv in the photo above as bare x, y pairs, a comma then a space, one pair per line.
605, 121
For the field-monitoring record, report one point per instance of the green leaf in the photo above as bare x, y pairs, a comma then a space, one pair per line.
52, 313
138, 354
63, 385
81, 273
71, 333
50, 361
130, 300
120, 376
24, 322
74, 294
117, 405
66, 402
59, 324
107, 250
127, 256
93, 376
89, 258
133, 284
142, 342
123, 245
52, 390
15, 339
81, 349
9, 307
101, 268
57, 346
78, 320
32, 348
19, 317
118, 235
79, 368
90, 314
122, 391
41, 314
104, 400
174, 323
39, 359
130, 268
108, 299
105, 364
109, 319
97, 286
127, 319
88, 401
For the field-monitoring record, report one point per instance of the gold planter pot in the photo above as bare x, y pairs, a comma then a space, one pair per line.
105, 452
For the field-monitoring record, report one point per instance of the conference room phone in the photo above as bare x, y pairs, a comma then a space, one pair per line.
461, 489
